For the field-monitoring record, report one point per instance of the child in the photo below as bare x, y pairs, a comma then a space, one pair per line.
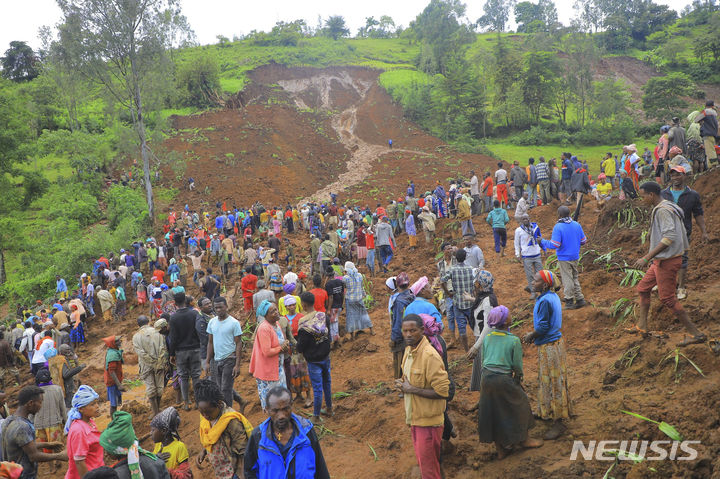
114, 372
168, 447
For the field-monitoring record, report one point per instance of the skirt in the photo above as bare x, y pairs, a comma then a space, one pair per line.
476, 376
120, 309
265, 386
142, 297
157, 307
553, 397
504, 413
77, 335
362, 252
357, 317
299, 378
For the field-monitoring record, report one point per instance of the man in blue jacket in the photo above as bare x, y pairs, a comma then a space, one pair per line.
567, 237
284, 445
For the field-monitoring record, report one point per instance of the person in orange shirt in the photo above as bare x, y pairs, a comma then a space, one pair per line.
487, 190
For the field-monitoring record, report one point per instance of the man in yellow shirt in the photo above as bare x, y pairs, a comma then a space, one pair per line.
425, 385
608, 166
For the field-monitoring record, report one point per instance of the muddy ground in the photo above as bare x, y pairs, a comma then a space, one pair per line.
330, 126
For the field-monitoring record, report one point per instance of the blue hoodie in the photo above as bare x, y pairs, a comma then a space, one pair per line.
547, 318
303, 458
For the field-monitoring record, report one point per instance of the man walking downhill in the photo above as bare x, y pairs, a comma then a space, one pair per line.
668, 243
567, 237
224, 351
426, 385
528, 250
385, 242
689, 200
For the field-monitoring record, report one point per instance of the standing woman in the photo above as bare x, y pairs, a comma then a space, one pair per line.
553, 396
356, 315
299, 378
83, 438
269, 349
77, 333
504, 414
485, 301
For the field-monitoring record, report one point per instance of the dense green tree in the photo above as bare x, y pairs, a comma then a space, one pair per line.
663, 96
539, 80
19, 63
611, 100
506, 71
442, 32
582, 55
536, 17
497, 14
709, 42
124, 47
335, 27
198, 81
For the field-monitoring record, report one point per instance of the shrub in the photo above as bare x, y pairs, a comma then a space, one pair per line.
198, 81
123, 203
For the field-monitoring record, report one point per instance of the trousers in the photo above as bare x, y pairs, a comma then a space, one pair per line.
188, 366
571, 283
321, 383
426, 441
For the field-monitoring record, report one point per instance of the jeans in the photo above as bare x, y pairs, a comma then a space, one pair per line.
532, 195
450, 312
370, 260
188, 366
500, 235
320, 378
222, 375
386, 254
462, 318
488, 204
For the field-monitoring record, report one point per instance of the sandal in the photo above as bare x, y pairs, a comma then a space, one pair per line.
634, 329
700, 338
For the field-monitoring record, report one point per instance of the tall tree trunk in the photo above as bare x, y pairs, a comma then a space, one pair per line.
3, 277
140, 126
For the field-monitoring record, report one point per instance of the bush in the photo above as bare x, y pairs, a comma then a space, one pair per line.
620, 131
125, 203
69, 202
198, 81
537, 136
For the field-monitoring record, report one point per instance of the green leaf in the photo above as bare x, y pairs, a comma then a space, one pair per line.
634, 414
670, 431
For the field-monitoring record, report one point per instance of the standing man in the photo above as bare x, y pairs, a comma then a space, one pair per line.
426, 385
475, 193
676, 136
397, 311
152, 355
61, 288
708, 129
518, 178
463, 293
532, 182
689, 200
206, 312
18, 435
668, 243
474, 255
501, 177
285, 444
567, 237
487, 191
184, 346
224, 351
443, 266
542, 172
528, 250
385, 242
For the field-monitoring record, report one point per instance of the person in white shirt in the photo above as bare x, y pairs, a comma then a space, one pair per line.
528, 249
475, 193
290, 277
522, 206
501, 177
474, 258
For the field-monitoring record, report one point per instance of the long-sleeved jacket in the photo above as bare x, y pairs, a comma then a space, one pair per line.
384, 235
402, 300
427, 371
527, 244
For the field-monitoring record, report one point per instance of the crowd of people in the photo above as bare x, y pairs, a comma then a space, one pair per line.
296, 311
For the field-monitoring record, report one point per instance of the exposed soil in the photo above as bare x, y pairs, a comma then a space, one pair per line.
351, 114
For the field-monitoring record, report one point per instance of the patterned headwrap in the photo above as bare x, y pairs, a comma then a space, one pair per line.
168, 420
548, 277
675, 150
431, 329
402, 279
485, 279
497, 316
84, 396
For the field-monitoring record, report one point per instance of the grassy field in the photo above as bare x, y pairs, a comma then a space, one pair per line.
593, 154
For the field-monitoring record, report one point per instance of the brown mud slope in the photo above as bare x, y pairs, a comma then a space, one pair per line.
306, 133
608, 369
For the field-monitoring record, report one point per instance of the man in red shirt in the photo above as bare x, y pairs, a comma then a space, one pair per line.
321, 296
370, 247
487, 189
248, 284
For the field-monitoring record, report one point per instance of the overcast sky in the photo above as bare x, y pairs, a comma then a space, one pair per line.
209, 18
